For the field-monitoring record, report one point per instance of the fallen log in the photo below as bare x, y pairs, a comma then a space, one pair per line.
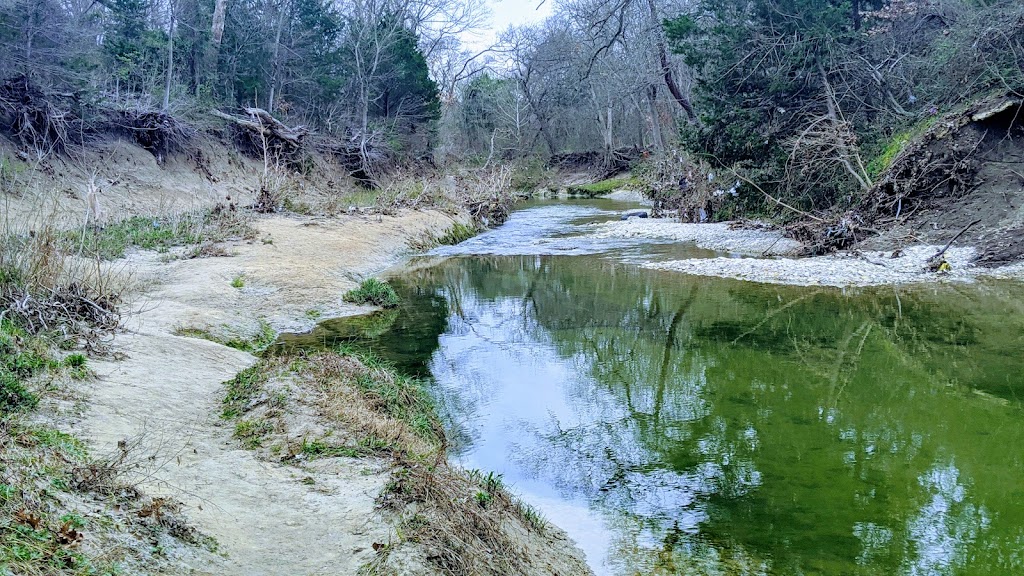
260, 122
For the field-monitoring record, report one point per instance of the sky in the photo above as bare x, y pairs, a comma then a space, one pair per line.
508, 12
505, 12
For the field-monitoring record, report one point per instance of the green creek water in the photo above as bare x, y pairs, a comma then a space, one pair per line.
683, 425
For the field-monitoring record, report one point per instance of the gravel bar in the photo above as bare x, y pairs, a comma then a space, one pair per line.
720, 236
854, 268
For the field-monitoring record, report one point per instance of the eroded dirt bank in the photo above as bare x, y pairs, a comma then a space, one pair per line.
166, 389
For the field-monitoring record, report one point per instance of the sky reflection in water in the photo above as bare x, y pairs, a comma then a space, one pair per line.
680, 425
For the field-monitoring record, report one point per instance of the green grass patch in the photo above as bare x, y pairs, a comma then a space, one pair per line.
27, 550
61, 442
157, 233
76, 366
22, 357
252, 431
604, 187
14, 397
242, 390
314, 449
375, 292
397, 395
533, 517
252, 343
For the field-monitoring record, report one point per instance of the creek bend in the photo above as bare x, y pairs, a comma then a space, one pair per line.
676, 424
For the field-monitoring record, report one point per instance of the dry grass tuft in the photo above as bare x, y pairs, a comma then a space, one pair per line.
466, 527
487, 194
46, 289
378, 403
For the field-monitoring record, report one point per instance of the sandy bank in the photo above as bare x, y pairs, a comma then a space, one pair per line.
268, 518
293, 273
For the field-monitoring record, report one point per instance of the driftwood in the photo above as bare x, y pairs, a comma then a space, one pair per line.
615, 162
40, 120
361, 159
266, 128
158, 132
934, 264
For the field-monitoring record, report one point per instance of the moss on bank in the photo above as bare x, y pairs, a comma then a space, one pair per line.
253, 342
454, 234
603, 187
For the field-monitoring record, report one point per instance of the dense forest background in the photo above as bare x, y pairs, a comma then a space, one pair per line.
810, 99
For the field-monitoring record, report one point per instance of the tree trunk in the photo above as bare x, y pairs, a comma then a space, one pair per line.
217, 30
211, 60
276, 73
652, 106
170, 59
542, 119
666, 67
605, 120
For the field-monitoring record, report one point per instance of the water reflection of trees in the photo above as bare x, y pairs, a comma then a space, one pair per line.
751, 428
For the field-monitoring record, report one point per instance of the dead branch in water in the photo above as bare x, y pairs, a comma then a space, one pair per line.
935, 262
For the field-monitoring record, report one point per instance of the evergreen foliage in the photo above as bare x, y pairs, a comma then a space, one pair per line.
810, 95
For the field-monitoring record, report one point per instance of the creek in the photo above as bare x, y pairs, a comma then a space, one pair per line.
677, 424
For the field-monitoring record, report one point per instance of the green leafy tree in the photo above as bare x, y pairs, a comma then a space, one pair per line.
405, 86
317, 71
134, 50
762, 64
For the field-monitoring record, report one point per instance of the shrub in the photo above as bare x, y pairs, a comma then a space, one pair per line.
44, 288
375, 292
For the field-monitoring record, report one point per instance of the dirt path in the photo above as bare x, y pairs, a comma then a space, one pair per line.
166, 389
